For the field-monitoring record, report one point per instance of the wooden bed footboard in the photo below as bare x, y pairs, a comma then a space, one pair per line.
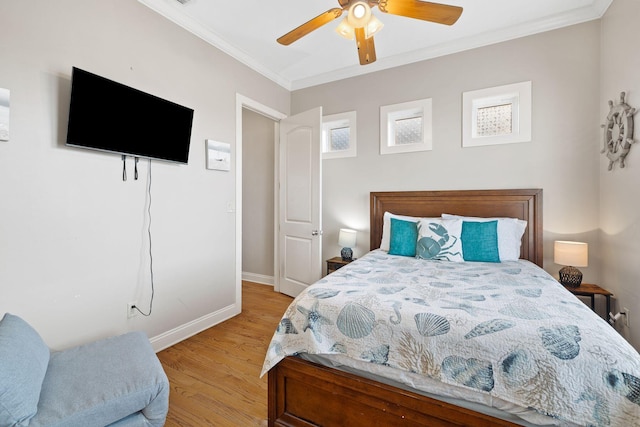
305, 394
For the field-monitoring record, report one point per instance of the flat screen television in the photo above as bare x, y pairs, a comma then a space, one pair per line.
109, 116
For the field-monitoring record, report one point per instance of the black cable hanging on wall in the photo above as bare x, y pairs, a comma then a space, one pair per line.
124, 178
149, 234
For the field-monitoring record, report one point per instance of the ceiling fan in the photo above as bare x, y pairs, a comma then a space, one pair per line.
361, 24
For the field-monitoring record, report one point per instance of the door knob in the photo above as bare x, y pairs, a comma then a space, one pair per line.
316, 233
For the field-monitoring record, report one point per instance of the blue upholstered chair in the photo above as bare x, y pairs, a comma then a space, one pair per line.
116, 381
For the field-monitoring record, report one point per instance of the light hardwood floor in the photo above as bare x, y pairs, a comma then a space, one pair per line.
214, 375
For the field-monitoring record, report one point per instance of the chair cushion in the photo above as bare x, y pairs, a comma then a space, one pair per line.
102, 382
23, 364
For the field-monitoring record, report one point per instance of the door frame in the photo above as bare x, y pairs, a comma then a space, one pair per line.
243, 102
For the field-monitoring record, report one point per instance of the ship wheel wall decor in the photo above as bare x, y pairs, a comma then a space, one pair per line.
618, 132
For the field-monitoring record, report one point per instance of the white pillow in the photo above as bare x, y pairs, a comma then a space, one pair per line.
386, 228
510, 231
439, 239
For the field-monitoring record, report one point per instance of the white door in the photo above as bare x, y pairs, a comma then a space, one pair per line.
300, 222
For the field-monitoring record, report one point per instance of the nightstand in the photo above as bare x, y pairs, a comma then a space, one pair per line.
591, 290
335, 263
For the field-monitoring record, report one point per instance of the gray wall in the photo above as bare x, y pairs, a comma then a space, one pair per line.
563, 66
258, 165
73, 247
619, 191
72, 234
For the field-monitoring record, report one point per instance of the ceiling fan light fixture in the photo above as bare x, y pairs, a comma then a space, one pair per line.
360, 24
359, 14
359, 10
346, 30
373, 26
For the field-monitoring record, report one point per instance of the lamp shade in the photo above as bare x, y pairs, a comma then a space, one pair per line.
373, 26
575, 254
347, 238
346, 30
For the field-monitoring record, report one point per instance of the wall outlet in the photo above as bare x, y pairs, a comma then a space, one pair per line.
626, 316
131, 310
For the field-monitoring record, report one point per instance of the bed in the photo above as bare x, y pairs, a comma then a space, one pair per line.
326, 386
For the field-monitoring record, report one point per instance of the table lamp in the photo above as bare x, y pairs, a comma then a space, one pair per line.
347, 239
571, 255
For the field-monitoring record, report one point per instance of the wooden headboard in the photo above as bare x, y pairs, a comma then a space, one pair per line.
523, 204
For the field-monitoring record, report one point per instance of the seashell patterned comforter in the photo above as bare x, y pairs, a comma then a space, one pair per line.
485, 332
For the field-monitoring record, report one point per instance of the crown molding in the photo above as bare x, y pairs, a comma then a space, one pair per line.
171, 10
579, 16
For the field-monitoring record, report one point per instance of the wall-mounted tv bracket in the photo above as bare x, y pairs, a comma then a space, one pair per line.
124, 168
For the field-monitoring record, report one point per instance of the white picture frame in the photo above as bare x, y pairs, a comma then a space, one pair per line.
338, 121
218, 155
479, 129
4, 114
391, 116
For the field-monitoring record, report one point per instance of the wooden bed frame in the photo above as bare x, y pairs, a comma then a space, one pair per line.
307, 394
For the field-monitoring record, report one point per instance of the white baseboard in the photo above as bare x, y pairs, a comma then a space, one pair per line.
258, 278
182, 332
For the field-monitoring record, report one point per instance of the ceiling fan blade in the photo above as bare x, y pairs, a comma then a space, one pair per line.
307, 27
366, 48
427, 11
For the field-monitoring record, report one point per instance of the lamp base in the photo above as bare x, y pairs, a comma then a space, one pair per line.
346, 254
570, 277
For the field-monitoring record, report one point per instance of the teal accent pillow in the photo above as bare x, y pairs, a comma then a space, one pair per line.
404, 235
480, 241
24, 358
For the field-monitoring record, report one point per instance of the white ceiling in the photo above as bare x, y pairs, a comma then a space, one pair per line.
248, 29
